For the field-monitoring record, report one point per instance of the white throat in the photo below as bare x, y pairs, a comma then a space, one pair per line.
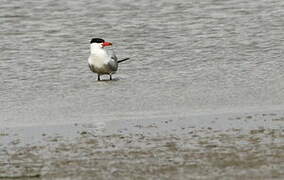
94, 47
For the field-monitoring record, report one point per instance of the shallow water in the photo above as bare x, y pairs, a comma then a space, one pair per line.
186, 57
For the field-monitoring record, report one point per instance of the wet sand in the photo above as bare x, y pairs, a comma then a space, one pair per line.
224, 146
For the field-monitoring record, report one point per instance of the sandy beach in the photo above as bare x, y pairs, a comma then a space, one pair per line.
148, 149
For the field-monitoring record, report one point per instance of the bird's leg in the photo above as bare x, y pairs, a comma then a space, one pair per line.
110, 78
99, 78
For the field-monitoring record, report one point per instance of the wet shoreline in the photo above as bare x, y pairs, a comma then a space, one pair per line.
147, 149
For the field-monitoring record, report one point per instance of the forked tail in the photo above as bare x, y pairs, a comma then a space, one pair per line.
125, 59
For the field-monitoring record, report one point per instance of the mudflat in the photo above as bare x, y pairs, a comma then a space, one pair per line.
220, 146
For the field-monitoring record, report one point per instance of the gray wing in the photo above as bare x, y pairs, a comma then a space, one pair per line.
112, 54
113, 63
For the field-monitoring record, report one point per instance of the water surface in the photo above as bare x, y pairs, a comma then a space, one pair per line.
187, 57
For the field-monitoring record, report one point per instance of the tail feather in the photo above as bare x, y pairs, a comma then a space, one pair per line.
125, 59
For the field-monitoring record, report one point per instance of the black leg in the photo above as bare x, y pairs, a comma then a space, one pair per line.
110, 78
99, 77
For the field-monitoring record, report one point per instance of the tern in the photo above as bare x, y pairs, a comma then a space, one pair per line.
102, 60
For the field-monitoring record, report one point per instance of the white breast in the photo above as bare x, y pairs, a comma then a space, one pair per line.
97, 61
98, 56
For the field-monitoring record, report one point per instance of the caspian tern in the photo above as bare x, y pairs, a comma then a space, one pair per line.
102, 60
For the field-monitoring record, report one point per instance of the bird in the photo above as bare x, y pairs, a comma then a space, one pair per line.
102, 60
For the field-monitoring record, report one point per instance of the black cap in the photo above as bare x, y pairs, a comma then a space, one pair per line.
97, 40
